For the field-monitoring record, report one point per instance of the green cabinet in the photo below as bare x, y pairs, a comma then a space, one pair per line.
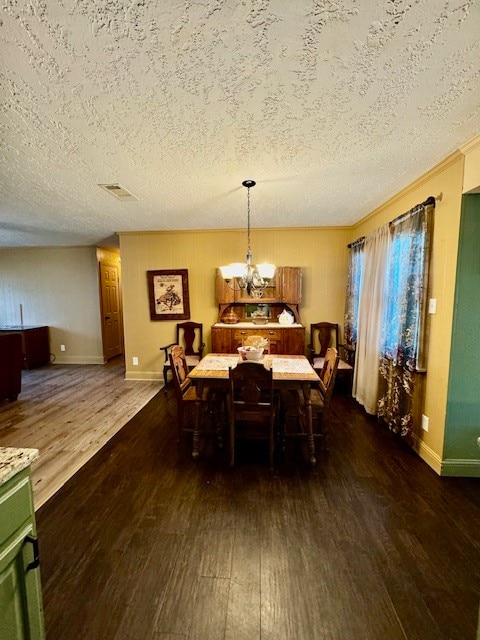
21, 612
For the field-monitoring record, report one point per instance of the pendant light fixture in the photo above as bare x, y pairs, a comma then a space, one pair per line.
245, 275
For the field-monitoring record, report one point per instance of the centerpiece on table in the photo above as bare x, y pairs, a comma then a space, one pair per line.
253, 351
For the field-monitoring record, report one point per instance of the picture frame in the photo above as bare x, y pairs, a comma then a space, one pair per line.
168, 294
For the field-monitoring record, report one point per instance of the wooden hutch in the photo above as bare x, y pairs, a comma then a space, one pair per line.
284, 292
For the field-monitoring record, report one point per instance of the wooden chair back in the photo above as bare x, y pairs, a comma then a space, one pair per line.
190, 336
251, 400
328, 375
179, 368
322, 336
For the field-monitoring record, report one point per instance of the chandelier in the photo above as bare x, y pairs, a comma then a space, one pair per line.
246, 276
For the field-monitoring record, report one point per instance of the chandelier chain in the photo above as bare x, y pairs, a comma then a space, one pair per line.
248, 220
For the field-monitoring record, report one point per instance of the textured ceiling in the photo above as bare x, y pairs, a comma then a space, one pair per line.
331, 106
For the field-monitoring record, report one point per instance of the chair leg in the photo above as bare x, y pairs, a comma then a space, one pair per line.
165, 371
232, 442
272, 444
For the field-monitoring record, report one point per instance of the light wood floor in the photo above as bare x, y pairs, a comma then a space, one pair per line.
69, 412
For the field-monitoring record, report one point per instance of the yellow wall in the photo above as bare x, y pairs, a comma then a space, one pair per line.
471, 178
322, 254
445, 179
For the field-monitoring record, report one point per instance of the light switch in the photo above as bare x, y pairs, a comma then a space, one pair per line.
432, 305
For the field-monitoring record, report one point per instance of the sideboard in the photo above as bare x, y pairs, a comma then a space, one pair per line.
284, 339
35, 345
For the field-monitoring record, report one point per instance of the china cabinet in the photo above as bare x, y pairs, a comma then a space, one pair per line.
284, 292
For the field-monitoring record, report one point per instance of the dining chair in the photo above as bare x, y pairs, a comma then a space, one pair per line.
324, 335
252, 406
294, 408
212, 402
189, 335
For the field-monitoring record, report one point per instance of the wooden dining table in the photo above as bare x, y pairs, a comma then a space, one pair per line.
289, 372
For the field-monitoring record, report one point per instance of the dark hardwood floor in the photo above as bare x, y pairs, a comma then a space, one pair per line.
145, 544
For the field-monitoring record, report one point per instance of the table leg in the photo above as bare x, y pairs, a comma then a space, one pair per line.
198, 418
309, 424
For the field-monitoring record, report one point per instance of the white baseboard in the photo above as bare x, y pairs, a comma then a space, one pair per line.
428, 455
78, 360
148, 376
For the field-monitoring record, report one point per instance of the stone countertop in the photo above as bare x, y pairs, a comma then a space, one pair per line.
13, 460
252, 325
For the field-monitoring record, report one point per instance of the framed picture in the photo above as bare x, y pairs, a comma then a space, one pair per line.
168, 294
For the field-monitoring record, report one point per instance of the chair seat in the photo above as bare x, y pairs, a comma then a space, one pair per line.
190, 395
319, 361
192, 361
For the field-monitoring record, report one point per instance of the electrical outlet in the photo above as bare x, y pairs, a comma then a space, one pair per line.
135, 361
478, 441
62, 347
425, 422
432, 306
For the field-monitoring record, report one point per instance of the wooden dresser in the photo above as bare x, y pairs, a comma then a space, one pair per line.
35, 345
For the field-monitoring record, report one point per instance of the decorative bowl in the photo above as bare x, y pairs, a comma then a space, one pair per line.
260, 319
250, 353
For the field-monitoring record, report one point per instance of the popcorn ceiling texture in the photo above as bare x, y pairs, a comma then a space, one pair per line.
331, 106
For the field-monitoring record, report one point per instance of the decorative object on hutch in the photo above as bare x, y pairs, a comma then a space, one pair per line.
245, 275
230, 317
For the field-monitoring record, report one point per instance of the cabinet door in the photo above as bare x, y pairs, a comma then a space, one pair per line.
224, 293
221, 340
21, 614
291, 284
294, 341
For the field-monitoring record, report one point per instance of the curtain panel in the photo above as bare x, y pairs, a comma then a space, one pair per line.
370, 313
403, 348
354, 280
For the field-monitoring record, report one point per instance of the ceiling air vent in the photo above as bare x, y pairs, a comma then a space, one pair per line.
118, 191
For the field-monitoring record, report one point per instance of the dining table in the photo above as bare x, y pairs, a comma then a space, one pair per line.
289, 372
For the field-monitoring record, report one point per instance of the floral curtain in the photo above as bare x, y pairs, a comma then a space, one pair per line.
403, 335
354, 280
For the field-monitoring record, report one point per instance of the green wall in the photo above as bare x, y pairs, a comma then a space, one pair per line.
461, 454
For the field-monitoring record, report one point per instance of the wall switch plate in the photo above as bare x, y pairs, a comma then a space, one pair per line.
432, 306
425, 422
135, 361
62, 347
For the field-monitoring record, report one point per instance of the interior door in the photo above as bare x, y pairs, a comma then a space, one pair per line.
111, 312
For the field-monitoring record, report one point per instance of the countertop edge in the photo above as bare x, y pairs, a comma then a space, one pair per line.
13, 460
252, 325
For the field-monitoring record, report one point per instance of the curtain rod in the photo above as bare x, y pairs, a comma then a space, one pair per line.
430, 200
